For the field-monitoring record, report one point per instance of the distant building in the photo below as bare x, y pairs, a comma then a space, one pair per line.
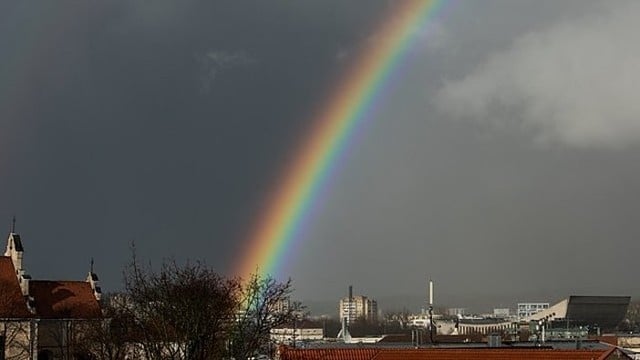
501, 312
43, 319
596, 313
281, 306
456, 311
529, 308
484, 326
420, 320
358, 307
302, 331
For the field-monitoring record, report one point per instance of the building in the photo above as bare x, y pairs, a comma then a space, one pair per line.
529, 308
43, 319
300, 332
501, 312
281, 306
420, 320
357, 307
17, 321
596, 313
456, 311
468, 351
484, 326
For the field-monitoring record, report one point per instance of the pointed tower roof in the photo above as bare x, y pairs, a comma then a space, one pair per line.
17, 243
14, 239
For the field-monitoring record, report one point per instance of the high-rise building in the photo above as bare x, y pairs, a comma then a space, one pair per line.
358, 307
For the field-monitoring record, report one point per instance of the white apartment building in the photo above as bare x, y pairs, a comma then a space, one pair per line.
358, 307
530, 308
287, 335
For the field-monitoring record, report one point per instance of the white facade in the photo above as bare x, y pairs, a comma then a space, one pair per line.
421, 320
456, 311
359, 307
288, 335
485, 328
531, 308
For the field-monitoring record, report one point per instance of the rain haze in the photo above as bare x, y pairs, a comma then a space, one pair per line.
503, 163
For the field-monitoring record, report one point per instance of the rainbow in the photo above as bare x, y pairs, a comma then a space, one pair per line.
353, 100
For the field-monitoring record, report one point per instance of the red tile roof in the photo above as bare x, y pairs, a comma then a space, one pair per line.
287, 353
12, 303
64, 300
607, 339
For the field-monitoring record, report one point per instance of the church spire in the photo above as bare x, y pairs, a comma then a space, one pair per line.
13, 224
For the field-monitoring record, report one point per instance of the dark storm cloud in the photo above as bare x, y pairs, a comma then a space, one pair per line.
116, 141
488, 214
168, 123
215, 62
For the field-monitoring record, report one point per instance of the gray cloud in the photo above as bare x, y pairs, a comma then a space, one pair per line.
215, 62
574, 83
110, 140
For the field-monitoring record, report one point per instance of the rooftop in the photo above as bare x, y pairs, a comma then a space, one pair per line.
64, 299
288, 353
12, 303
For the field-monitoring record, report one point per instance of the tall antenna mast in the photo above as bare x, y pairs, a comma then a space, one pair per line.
432, 327
351, 310
430, 293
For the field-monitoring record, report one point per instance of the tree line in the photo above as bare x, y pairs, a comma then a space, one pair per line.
189, 311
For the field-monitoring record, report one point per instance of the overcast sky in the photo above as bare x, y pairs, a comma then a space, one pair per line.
505, 160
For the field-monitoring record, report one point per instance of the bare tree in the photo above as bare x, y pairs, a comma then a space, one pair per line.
631, 320
17, 338
180, 312
189, 312
57, 336
112, 337
264, 305
15, 323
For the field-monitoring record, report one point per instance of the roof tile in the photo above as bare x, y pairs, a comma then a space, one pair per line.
12, 303
440, 354
64, 299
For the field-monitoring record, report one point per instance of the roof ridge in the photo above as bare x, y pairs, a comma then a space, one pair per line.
59, 281
609, 352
